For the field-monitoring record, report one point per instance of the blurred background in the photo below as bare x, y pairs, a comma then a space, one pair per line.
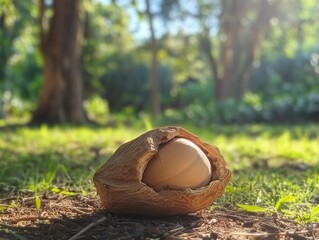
172, 61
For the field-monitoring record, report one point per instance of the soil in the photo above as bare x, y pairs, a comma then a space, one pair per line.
62, 217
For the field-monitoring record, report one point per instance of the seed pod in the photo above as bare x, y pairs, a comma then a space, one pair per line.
122, 188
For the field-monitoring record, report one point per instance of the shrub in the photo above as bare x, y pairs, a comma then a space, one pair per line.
97, 109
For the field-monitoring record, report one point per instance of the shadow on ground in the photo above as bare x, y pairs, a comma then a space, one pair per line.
98, 225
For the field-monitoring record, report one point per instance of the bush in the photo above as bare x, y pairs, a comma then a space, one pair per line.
97, 109
126, 83
14, 107
280, 109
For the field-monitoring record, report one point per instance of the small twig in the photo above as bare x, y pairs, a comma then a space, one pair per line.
272, 227
171, 237
4, 205
171, 233
8, 199
93, 224
264, 234
267, 234
166, 223
61, 199
79, 211
67, 221
234, 217
27, 199
176, 230
247, 215
198, 223
31, 218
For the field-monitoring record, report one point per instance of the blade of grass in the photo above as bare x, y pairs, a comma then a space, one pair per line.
314, 212
286, 199
253, 208
66, 193
37, 202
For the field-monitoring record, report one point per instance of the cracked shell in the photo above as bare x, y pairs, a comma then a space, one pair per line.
122, 191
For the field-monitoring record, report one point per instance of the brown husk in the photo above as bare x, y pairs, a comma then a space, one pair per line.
121, 190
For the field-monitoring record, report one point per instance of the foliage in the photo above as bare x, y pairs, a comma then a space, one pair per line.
14, 107
284, 89
196, 101
97, 109
295, 75
19, 70
279, 109
282, 86
126, 82
105, 34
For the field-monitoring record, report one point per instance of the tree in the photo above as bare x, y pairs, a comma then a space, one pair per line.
240, 28
60, 43
105, 35
14, 16
155, 89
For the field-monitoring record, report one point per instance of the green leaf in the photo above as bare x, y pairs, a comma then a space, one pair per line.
285, 199
253, 208
70, 194
315, 211
3, 207
37, 202
289, 213
57, 190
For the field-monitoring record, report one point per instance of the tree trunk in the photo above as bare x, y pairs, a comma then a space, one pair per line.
240, 42
61, 99
231, 17
4, 56
155, 88
206, 47
261, 23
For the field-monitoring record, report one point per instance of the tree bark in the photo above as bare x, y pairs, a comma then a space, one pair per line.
61, 99
155, 88
261, 23
206, 47
230, 21
238, 45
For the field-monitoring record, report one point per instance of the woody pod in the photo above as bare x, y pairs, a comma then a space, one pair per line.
122, 189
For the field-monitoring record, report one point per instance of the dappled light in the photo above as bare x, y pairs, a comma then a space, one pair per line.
81, 79
201, 61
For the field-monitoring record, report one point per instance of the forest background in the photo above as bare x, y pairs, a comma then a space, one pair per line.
195, 61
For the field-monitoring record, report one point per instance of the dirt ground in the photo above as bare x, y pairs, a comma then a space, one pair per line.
81, 217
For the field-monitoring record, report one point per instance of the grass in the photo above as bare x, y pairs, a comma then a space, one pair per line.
276, 168
65, 158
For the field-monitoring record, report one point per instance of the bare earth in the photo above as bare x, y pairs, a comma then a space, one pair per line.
81, 217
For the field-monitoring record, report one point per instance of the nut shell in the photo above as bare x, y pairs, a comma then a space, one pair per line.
121, 190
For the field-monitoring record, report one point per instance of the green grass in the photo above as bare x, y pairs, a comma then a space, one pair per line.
275, 168
65, 158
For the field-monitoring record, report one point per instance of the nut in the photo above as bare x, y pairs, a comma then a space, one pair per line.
124, 187
179, 164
